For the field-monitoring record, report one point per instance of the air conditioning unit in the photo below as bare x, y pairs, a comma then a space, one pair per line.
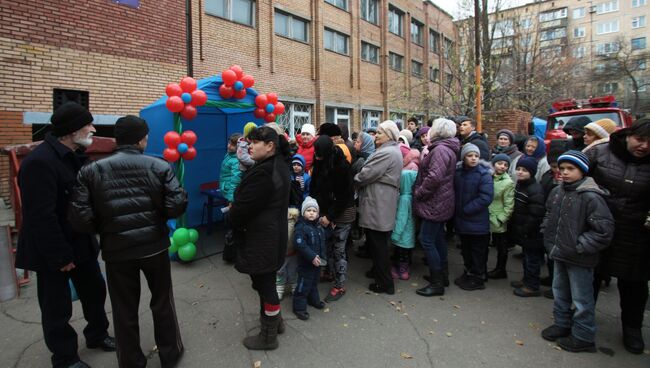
592, 9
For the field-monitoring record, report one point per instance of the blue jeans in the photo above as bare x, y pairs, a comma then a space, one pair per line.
307, 287
574, 284
432, 238
533, 256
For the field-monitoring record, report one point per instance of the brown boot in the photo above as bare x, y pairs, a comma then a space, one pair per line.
267, 339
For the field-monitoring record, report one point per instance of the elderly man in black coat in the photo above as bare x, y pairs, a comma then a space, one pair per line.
48, 245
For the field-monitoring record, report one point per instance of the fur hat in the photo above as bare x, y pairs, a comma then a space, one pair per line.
308, 128
308, 203
69, 118
577, 158
529, 164
329, 129
129, 130
602, 128
390, 128
501, 157
467, 148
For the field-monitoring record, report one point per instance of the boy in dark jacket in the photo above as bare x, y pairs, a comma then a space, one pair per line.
527, 217
577, 226
474, 190
309, 240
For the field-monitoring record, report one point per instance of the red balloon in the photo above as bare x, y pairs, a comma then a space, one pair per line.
189, 112
279, 108
199, 98
173, 89
188, 137
240, 94
226, 92
272, 98
259, 113
171, 154
229, 77
261, 101
239, 72
175, 104
188, 84
269, 118
190, 154
172, 139
248, 81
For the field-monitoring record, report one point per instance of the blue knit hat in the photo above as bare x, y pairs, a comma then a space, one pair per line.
501, 157
577, 158
528, 163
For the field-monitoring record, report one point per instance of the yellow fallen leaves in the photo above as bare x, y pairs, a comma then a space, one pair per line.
405, 356
449, 334
519, 342
257, 364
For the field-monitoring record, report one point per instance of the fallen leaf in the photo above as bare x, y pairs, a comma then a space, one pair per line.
392, 303
398, 308
449, 334
453, 314
456, 306
519, 342
345, 325
406, 356
557, 348
414, 284
326, 310
200, 286
195, 303
431, 333
257, 364
362, 317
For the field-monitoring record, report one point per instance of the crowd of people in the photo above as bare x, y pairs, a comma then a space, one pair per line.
295, 205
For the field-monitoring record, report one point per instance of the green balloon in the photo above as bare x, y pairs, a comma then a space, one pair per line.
194, 235
181, 236
187, 252
173, 248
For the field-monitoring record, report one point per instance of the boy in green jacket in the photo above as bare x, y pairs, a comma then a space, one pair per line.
501, 209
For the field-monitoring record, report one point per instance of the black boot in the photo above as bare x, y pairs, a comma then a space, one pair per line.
445, 274
267, 339
435, 287
633, 340
497, 273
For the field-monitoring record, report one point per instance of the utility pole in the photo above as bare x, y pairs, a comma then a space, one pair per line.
477, 64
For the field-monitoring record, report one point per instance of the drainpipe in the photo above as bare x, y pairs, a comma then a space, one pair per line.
188, 38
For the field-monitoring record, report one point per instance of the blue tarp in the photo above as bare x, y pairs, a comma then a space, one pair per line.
539, 127
212, 126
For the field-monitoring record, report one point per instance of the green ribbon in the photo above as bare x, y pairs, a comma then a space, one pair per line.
180, 169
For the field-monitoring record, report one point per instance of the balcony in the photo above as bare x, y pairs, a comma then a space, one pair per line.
555, 23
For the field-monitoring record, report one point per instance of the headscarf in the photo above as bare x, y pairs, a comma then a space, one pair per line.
367, 145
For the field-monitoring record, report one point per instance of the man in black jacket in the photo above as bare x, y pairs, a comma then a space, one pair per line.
468, 134
49, 246
127, 199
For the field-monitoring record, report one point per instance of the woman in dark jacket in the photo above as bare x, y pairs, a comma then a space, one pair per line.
258, 216
622, 166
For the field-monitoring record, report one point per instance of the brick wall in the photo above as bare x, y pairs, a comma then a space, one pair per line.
12, 131
512, 119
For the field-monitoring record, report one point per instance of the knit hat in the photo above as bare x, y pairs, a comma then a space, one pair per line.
298, 161
423, 131
329, 129
407, 134
308, 128
404, 139
602, 128
467, 148
501, 157
555, 150
529, 164
577, 158
390, 128
69, 118
248, 128
129, 130
508, 133
308, 203
576, 123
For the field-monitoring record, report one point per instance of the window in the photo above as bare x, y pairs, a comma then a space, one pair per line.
339, 116
434, 41
448, 47
240, 11
579, 13
336, 41
295, 116
416, 69
579, 52
395, 21
638, 22
642, 85
606, 48
552, 34
370, 11
526, 23
291, 26
449, 80
579, 32
500, 43
370, 119
434, 74
552, 15
638, 3
608, 27
416, 32
399, 118
609, 87
369, 53
608, 7
343, 4
640, 64
503, 28
395, 61
638, 43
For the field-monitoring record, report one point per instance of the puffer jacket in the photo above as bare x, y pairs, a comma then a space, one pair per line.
127, 199
259, 217
404, 233
306, 150
229, 176
433, 191
528, 214
628, 180
578, 223
474, 190
309, 241
503, 203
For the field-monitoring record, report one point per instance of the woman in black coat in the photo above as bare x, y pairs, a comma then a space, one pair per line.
622, 166
258, 216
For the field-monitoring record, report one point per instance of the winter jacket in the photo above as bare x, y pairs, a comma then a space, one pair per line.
404, 233
548, 182
480, 141
331, 182
628, 180
309, 241
300, 184
540, 156
528, 214
578, 224
127, 199
474, 191
47, 240
412, 160
230, 176
245, 160
433, 191
503, 203
259, 217
378, 183
306, 150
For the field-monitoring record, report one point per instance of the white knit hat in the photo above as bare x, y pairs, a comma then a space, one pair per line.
308, 128
390, 128
308, 203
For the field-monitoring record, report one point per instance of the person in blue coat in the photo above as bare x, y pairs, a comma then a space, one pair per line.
403, 236
474, 191
230, 175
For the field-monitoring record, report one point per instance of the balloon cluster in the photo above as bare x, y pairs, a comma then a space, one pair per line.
235, 83
183, 242
179, 145
268, 107
183, 98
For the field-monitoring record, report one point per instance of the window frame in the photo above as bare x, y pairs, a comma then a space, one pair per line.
607, 7
643, 39
336, 33
581, 32
435, 72
419, 26
393, 56
291, 114
639, 3
228, 12
610, 23
290, 21
338, 115
640, 20
335, 4
368, 120
369, 46
434, 41
395, 11
367, 9
582, 12
419, 65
